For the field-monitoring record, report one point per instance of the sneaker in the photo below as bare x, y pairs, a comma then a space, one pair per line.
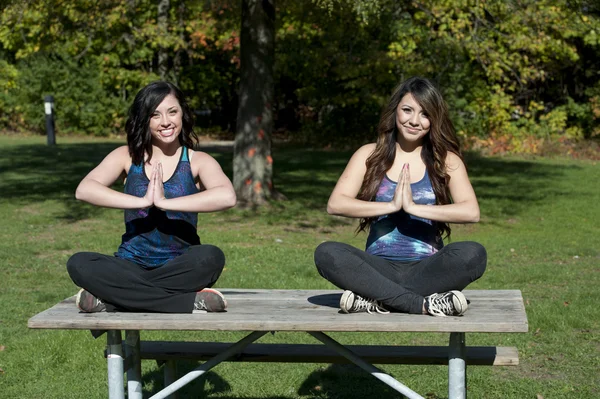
451, 303
88, 303
353, 303
210, 300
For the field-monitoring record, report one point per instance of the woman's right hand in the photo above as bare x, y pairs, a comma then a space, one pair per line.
399, 193
149, 197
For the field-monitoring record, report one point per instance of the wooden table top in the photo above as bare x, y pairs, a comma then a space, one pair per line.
297, 310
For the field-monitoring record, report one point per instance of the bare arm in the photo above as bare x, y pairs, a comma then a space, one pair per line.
464, 207
95, 187
343, 199
218, 194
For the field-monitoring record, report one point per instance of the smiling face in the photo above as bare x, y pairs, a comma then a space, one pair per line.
165, 122
411, 120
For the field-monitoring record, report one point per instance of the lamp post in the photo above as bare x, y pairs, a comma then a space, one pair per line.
49, 111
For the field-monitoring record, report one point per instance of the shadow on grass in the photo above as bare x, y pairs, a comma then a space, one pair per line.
345, 381
509, 187
208, 384
335, 381
34, 173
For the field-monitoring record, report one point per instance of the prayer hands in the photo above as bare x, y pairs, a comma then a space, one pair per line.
156, 191
403, 198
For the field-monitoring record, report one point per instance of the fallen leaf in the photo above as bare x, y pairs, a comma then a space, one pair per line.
537, 332
539, 396
2, 347
566, 303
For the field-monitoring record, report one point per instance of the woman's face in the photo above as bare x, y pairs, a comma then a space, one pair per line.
165, 122
412, 121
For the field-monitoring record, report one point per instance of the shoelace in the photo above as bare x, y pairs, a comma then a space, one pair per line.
199, 305
439, 305
369, 305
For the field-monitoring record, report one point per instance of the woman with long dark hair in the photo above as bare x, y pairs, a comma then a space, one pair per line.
160, 265
406, 188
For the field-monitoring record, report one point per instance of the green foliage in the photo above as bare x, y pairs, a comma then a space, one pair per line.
82, 104
109, 50
512, 72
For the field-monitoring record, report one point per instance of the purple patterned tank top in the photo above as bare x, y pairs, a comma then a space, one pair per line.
153, 236
400, 236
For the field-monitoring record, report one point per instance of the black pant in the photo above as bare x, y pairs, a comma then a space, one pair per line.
125, 285
401, 286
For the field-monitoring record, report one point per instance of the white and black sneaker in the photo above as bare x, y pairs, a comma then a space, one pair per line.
451, 303
354, 303
88, 303
210, 300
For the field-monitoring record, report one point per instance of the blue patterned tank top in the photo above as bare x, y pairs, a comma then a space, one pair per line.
400, 236
153, 236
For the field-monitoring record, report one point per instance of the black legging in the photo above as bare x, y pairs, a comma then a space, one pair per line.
401, 286
125, 285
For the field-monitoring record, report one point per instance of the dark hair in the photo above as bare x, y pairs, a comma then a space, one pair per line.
139, 139
436, 144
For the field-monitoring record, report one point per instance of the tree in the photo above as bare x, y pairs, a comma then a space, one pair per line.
252, 161
163, 27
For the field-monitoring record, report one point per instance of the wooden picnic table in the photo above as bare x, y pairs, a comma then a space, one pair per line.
313, 311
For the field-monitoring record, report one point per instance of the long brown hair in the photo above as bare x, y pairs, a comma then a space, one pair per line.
436, 144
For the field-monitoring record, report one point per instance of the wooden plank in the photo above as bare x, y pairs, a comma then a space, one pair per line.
302, 353
298, 310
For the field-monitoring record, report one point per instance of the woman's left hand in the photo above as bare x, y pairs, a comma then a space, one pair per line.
407, 198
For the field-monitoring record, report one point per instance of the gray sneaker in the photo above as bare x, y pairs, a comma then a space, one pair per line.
354, 303
210, 300
88, 303
451, 303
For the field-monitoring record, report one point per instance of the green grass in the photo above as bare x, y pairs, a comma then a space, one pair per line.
539, 225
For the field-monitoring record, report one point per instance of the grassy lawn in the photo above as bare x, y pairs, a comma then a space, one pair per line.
539, 224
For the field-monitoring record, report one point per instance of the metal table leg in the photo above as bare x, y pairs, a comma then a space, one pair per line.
170, 375
114, 357
457, 368
134, 371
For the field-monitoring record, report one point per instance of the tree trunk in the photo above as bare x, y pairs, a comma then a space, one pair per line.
252, 161
179, 53
163, 27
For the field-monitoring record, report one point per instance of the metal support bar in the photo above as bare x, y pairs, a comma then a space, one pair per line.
114, 356
192, 375
134, 369
170, 375
457, 368
369, 368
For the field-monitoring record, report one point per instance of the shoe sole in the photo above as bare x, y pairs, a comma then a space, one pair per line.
218, 293
79, 299
346, 301
460, 302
